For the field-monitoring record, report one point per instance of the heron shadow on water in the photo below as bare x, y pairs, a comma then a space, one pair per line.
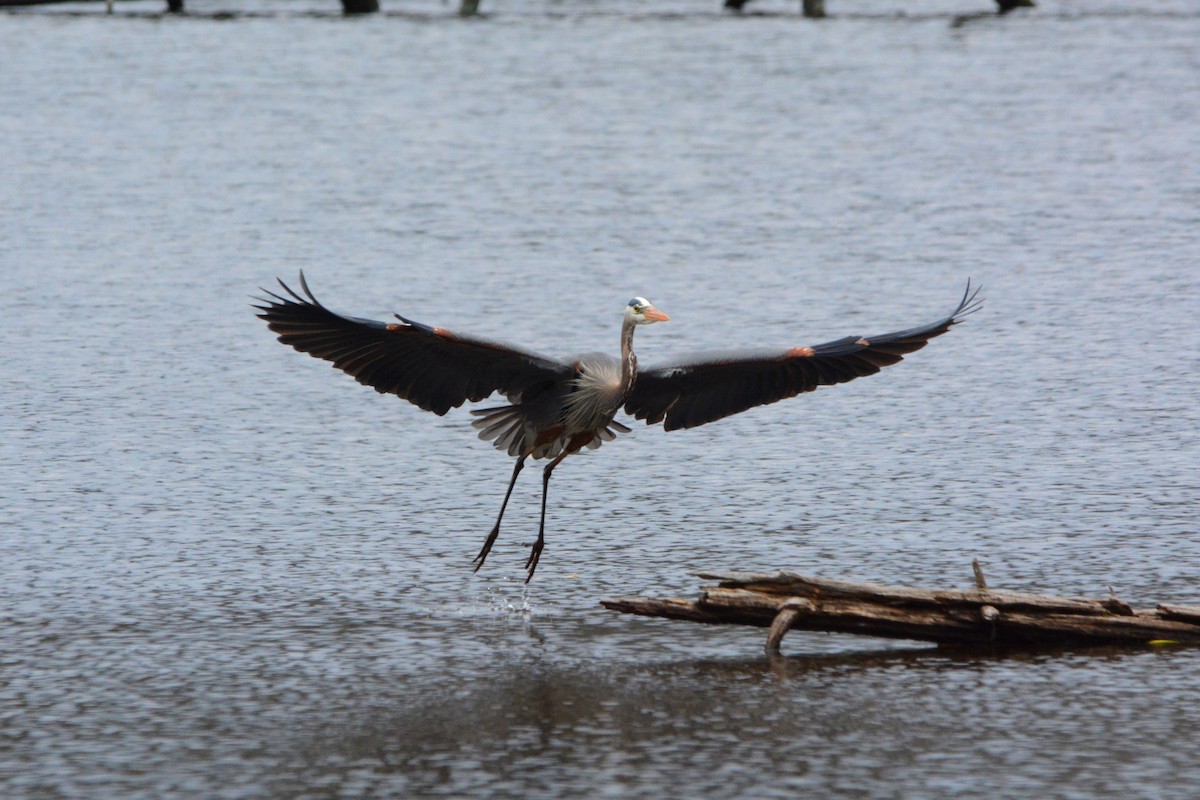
558, 406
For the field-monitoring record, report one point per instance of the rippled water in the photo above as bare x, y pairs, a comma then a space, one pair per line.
228, 571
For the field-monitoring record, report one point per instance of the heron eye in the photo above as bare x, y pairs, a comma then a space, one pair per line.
639, 309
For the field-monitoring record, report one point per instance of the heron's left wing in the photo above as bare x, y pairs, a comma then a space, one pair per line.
713, 387
432, 368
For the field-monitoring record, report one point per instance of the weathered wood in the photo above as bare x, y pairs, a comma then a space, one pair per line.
1181, 613
790, 583
351, 7
785, 601
980, 581
1079, 629
782, 623
677, 608
815, 9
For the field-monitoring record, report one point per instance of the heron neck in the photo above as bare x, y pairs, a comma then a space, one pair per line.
628, 359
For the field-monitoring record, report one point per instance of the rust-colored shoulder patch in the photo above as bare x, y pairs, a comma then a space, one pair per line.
395, 327
864, 342
442, 332
800, 352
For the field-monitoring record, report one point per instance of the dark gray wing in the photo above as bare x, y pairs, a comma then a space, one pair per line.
711, 387
433, 368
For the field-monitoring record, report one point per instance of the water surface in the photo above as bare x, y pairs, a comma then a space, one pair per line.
228, 571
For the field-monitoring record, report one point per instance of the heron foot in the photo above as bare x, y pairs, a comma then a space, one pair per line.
487, 548
535, 554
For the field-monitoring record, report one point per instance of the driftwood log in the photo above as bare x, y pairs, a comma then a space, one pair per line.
784, 601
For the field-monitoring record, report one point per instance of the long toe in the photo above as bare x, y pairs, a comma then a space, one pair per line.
535, 555
487, 548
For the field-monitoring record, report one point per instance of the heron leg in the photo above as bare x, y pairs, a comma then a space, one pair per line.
491, 539
535, 552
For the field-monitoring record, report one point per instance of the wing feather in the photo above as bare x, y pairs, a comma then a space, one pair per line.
715, 386
432, 368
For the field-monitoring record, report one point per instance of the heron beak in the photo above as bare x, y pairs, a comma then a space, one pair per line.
652, 314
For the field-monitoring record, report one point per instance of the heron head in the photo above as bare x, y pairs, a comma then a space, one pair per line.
641, 312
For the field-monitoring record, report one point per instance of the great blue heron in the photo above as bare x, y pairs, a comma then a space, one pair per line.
558, 406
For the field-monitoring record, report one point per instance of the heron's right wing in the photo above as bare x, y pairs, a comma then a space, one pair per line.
433, 368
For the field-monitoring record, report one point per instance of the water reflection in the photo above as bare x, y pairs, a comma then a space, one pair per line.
708, 718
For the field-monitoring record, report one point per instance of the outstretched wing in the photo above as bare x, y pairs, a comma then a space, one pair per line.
433, 368
716, 386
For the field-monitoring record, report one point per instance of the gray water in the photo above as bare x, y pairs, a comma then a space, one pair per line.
228, 571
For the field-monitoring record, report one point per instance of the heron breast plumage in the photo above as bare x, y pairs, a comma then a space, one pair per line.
586, 403
595, 393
